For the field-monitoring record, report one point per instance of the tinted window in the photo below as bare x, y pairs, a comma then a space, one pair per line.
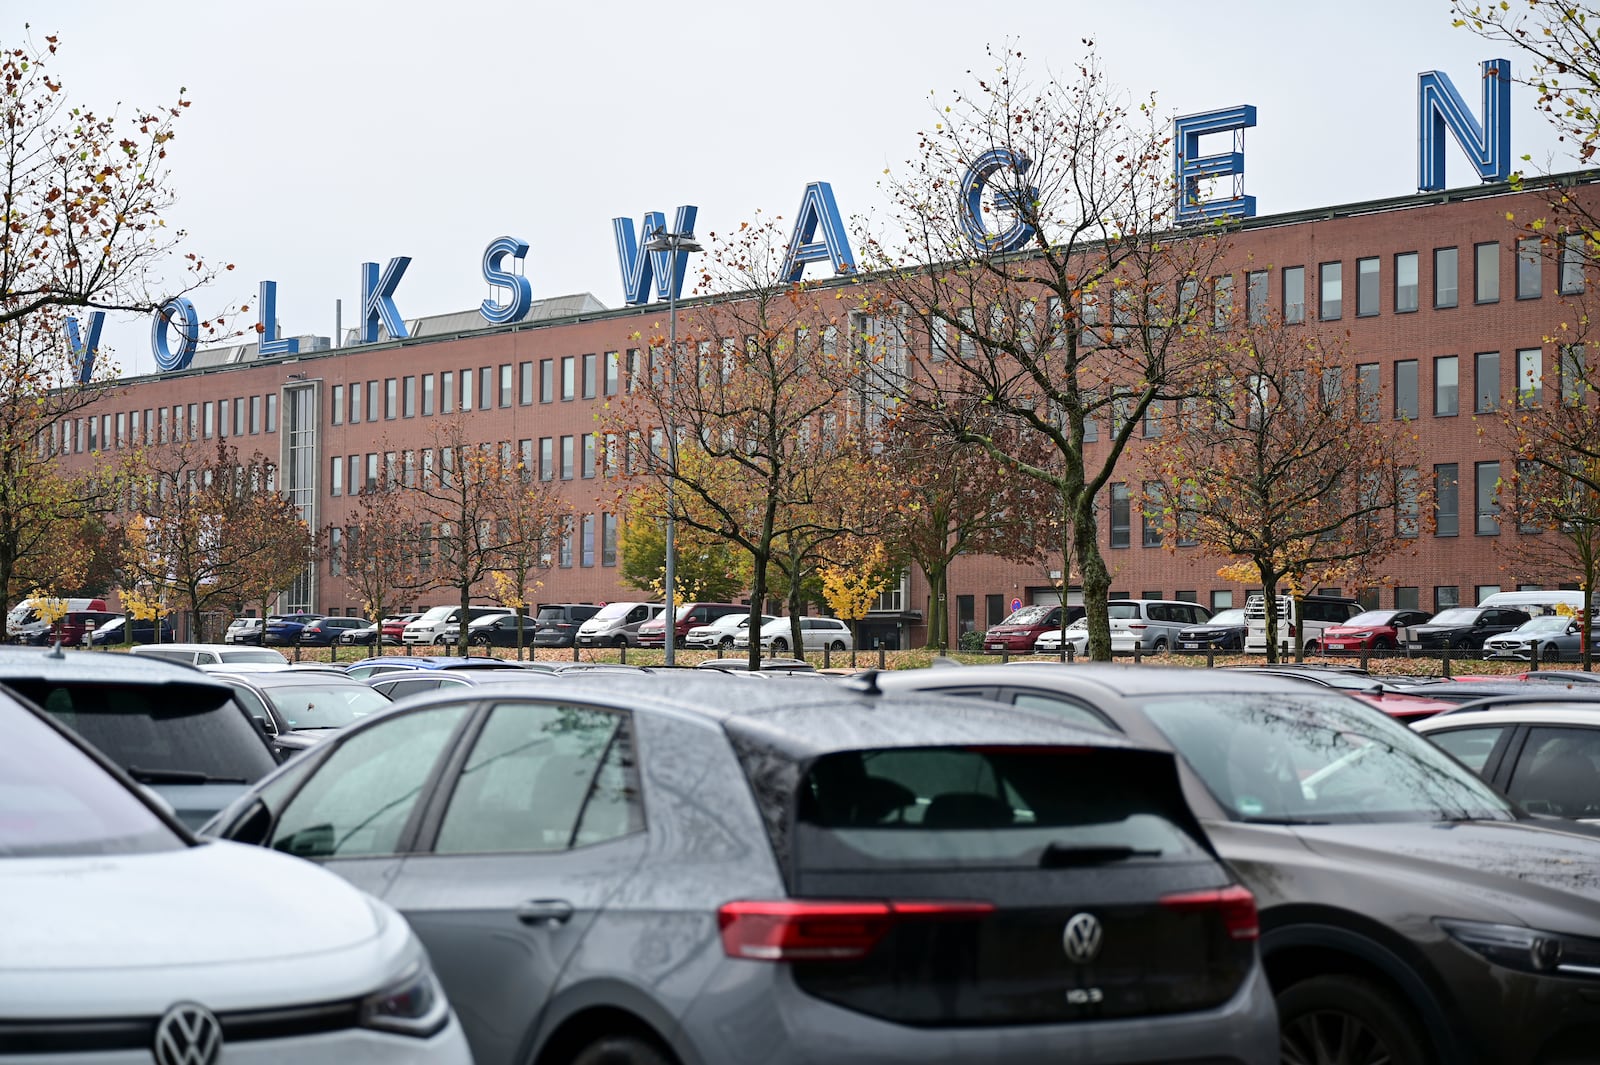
1067, 710
1471, 746
54, 800
271, 658
362, 794
534, 773
325, 706
399, 689
1558, 772
952, 806
1289, 758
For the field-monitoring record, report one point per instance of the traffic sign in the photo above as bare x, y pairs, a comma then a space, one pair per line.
1016, 604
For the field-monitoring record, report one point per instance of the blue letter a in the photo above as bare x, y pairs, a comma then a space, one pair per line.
817, 210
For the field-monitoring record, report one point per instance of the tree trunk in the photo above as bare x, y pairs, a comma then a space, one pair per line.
759, 561
1096, 578
1269, 608
938, 608
466, 610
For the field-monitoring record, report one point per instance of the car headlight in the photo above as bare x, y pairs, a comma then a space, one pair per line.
1367, 635
413, 1005
1527, 950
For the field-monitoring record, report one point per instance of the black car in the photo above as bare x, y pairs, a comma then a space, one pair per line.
558, 623
1224, 631
685, 867
167, 725
1409, 913
1464, 627
500, 630
325, 632
297, 709
144, 631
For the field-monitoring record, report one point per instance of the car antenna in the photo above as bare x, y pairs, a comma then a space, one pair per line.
865, 682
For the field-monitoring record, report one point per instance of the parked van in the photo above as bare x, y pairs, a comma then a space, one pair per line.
23, 624
1316, 613
429, 628
1151, 624
1534, 603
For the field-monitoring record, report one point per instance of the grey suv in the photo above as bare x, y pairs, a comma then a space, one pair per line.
1409, 914
640, 870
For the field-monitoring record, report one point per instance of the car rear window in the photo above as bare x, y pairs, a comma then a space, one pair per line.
985, 807
306, 706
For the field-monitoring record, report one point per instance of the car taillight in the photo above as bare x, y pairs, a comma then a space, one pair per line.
1291, 628
793, 930
1137, 625
1234, 904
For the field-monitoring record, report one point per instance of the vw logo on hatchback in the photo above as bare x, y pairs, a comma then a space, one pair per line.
188, 1034
1081, 938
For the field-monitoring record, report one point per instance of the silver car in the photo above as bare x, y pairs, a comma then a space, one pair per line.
656, 868
1547, 638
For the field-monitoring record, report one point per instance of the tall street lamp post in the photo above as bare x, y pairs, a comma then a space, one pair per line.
678, 246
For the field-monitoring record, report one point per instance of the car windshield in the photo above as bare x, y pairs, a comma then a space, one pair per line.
1316, 758
1028, 615
54, 800
1123, 611
552, 613
1370, 617
1455, 616
264, 657
325, 706
1231, 616
614, 610
1545, 624
437, 613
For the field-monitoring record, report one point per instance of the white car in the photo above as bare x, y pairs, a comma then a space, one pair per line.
816, 634
142, 943
1077, 637
722, 632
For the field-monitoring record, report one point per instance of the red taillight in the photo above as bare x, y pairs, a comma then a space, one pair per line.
1132, 625
1235, 904
792, 930
1291, 628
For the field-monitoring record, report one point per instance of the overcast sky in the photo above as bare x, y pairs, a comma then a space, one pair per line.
323, 135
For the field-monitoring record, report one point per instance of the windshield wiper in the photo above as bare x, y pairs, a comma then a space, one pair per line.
1060, 855
179, 776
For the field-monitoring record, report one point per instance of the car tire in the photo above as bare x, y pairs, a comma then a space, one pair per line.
1314, 647
1383, 643
1160, 647
1463, 644
1551, 653
1345, 1018
836, 645
619, 641
620, 1050
726, 643
780, 644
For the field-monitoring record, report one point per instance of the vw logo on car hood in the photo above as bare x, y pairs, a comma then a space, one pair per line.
1080, 939
188, 1034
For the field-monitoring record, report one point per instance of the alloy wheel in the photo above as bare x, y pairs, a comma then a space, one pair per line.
1331, 1037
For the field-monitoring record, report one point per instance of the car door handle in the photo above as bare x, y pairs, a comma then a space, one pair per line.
541, 911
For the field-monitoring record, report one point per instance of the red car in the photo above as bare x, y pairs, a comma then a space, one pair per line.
394, 626
1016, 634
1373, 630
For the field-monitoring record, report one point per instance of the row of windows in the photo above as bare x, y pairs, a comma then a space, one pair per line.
507, 385
584, 540
153, 426
579, 456
1528, 388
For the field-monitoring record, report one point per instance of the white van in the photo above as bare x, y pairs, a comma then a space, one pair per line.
1316, 613
1534, 603
23, 624
429, 628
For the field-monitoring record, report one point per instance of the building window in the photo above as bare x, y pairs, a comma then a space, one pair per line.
564, 557
1446, 386
335, 406
391, 395
1221, 599
408, 397
569, 378
1119, 514
374, 401
1330, 307
1445, 264
336, 475
1405, 389
1367, 281
1570, 370
1486, 502
1446, 596
547, 380
1572, 259
272, 414
508, 384
208, 423
1486, 272
255, 415
1530, 376
1369, 390
1446, 500
1407, 597
372, 472
1294, 294
1405, 282
447, 392
1221, 304
355, 474
588, 455
525, 383
608, 539
568, 457
1408, 509
1257, 288
486, 387
613, 373
427, 395
547, 458
1151, 515
591, 372
1529, 262
466, 389
587, 541
1486, 381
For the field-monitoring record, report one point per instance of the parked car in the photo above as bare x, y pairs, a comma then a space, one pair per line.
558, 623
1020, 629
816, 634
1076, 637
1373, 630
325, 632
497, 630
1301, 621
1409, 913
1397, 701
764, 665
1223, 631
211, 654
140, 944
1464, 627
397, 684
24, 623
245, 630
284, 630
362, 635
167, 726
858, 871
721, 632
1151, 624
144, 631
72, 628
394, 626
369, 667
1543, 751
1546, 638
430, 626
297, 709
653, 633
617, 624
